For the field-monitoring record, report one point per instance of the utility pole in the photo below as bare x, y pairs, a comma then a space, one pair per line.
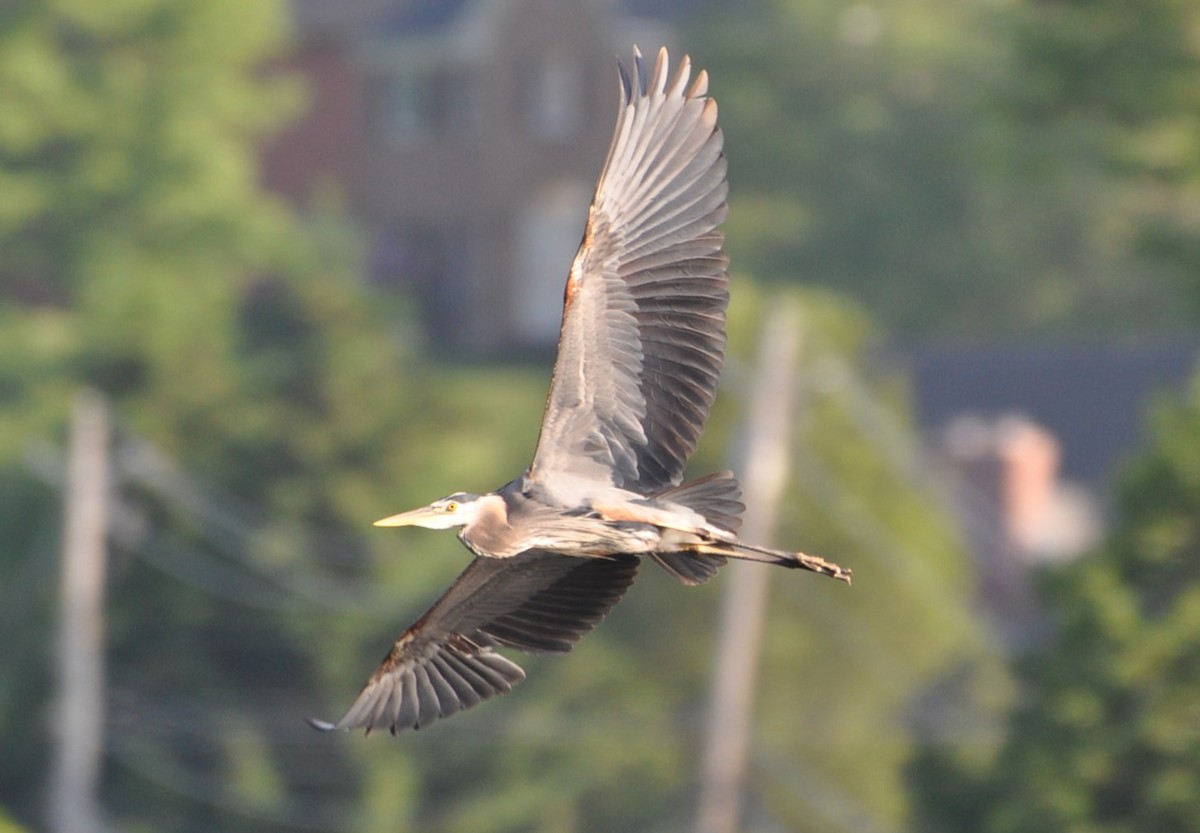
743, 606
79, 712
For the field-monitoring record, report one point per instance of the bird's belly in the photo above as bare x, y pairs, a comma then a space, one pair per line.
599, 538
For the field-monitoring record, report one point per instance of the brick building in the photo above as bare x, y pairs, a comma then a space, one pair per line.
467, 136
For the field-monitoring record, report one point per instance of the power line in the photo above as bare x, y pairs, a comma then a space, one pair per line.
880, 427
24, 589
819, 794
210, 790
912, 571
244, 580
187, 565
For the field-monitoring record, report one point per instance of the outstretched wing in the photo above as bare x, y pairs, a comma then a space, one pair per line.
536, 601
643, 331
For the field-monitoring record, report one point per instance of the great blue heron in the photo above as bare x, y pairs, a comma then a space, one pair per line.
641, 346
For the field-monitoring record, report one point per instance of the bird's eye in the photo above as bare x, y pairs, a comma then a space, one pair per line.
451, 507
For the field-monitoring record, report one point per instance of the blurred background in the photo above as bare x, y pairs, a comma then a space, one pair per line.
271, 270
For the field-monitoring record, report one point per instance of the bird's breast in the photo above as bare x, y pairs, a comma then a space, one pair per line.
564, 533
490, 541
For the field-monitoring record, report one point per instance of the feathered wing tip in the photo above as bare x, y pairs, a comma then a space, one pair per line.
446, 662
413, 693
655, 81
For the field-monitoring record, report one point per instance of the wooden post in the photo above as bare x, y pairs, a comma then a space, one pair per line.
743, 606
79, 713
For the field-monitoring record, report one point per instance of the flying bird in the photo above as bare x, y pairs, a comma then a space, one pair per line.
639, 353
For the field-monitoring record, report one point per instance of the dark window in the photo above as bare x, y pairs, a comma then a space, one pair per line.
415, 105
430, 263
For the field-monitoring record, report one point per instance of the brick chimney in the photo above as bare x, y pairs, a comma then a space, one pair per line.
1012, 464
1015, 509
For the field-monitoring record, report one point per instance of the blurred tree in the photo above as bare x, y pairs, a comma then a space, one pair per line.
142, 258
1114, 88
1105, 736
880, 149
125, 137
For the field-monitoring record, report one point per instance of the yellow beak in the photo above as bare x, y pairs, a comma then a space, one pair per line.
417, 517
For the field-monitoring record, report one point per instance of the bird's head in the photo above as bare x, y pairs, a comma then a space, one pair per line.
458, 509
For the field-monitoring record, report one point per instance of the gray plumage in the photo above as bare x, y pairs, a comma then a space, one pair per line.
643, 333
639, 355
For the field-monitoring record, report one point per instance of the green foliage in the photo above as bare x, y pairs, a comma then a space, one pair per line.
1116, 87
125, 138
1105, 738
965, 169
1109, 62
142, 258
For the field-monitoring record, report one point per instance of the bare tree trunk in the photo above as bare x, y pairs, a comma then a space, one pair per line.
743, 606
79, 715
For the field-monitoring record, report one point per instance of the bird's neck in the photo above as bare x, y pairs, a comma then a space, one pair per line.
489, 534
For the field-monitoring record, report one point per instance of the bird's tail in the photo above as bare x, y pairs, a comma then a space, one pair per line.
718, 498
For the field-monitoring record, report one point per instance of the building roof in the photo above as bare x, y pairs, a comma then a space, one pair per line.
1095, 398
417, 16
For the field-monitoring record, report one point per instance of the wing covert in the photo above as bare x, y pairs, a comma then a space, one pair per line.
643, 331
446, 661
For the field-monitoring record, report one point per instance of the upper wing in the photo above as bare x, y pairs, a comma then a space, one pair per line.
536, 601
643, 331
